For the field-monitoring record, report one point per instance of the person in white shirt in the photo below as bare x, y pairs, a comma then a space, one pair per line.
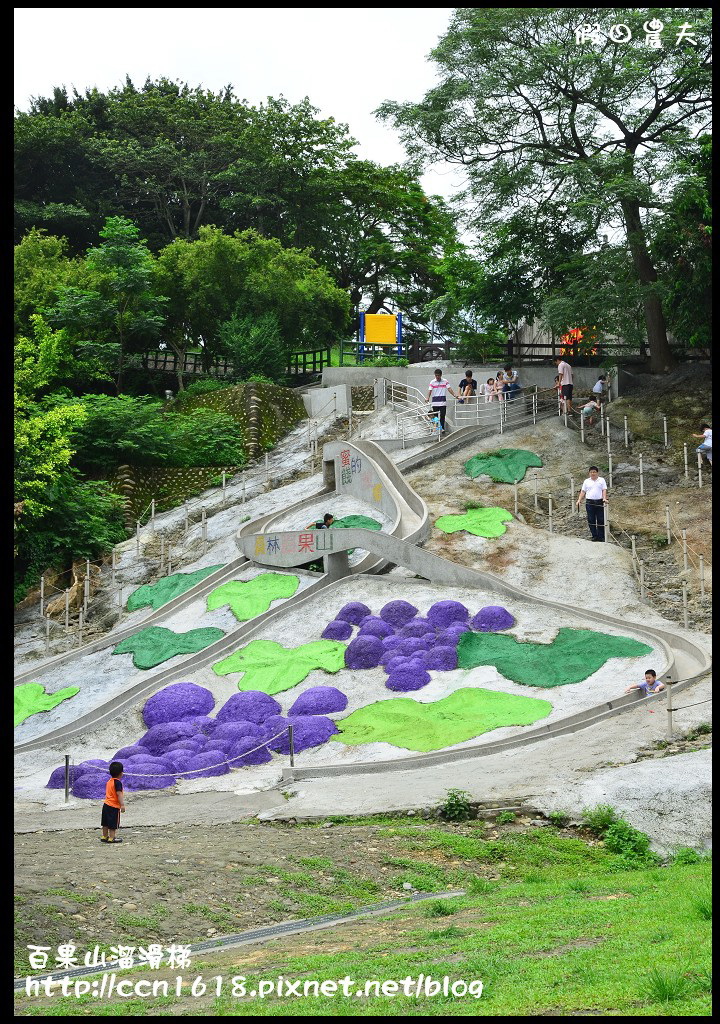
437, 396
706, 447
599, 385
594, 490
566, 381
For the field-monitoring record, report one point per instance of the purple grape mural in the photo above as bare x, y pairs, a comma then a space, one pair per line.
492, 619
398, 613
364, 652
249, 706
319, 700
443, 613
410, 678
354, 612
176, 702
338, 629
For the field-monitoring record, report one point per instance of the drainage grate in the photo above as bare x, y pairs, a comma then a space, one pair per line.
256, 934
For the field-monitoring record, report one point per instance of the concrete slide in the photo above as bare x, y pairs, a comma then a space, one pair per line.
380, 481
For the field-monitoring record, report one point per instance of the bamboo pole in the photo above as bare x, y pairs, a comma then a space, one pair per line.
515, 485
625, 430
699, 470
685, 457
42, 594
685, 550
642, 487
610, 470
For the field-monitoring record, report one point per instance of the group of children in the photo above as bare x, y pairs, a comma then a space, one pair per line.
496, 388
592, 406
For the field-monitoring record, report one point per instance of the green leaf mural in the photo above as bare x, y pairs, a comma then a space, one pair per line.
572, 656
466, 713
270, 667
504, 465
483, 522
150, 647
251, 598
167, 588
361, 522
31, 698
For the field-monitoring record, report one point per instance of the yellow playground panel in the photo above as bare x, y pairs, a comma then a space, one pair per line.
381, 329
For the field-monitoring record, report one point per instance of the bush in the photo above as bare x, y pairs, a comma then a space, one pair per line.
558, 818
204, 437
633, 846
686, 855
664, 986
456, 806
505, 818
599, 819
439, 908
254, 346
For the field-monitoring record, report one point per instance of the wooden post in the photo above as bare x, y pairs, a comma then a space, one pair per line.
606, 520
685, 604
47, 634
500, 407
565, 414
642, 488
292, 746
67, 778
550, 513
610, 482
516, 496
632, 543
668, 686
625, 430
607, 434
536, 490
80, 628
42, 594
67, 609
685, 457
685, 551
120, 598
699, 470
602, 420
86, 586
152, 515
168, 560
665, 432
534, 406
702, 577
582, 429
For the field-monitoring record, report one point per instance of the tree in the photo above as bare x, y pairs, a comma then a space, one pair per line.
122, 311
210, 280
541, 121
254, 346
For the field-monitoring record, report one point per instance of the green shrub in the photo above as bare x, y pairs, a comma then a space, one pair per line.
254, 346
456, 806
686, 855
505, 817
203, 385
558, 818
633, 846
704, 729
479, 887
599, 819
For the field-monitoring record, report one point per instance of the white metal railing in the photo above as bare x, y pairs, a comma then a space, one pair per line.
404, 395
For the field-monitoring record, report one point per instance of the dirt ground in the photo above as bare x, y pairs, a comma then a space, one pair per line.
186, 884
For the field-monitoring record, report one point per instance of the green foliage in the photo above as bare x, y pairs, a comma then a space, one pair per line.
456, 805
665, 985
155, 595
633, 846
481, 522
553, 158
203, 386
439, 908
704, 729
505, 817
702, 904
599, 818
558, 818
686, 855
254, 346
31, 699
155, 644
387, 361
248, 598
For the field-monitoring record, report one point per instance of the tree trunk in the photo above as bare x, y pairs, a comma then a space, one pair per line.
377, 304
661, 359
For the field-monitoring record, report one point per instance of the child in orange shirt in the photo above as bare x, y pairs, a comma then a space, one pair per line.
114, 804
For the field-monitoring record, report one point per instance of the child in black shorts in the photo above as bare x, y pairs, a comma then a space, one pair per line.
114, 804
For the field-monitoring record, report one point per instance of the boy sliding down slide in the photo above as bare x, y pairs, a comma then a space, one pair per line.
651, 685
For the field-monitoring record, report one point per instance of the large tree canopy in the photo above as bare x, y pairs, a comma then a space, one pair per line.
592, 129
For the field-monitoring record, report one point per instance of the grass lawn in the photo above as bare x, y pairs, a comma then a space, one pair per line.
550, 925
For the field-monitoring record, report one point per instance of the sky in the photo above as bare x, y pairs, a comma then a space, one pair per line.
346, 60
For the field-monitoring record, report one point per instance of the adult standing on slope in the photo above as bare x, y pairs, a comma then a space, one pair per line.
594, 490
437, 396
566, 381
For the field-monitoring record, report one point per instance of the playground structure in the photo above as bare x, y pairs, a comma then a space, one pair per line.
363, 470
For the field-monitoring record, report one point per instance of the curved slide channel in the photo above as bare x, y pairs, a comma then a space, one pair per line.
409, 522
363, 469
